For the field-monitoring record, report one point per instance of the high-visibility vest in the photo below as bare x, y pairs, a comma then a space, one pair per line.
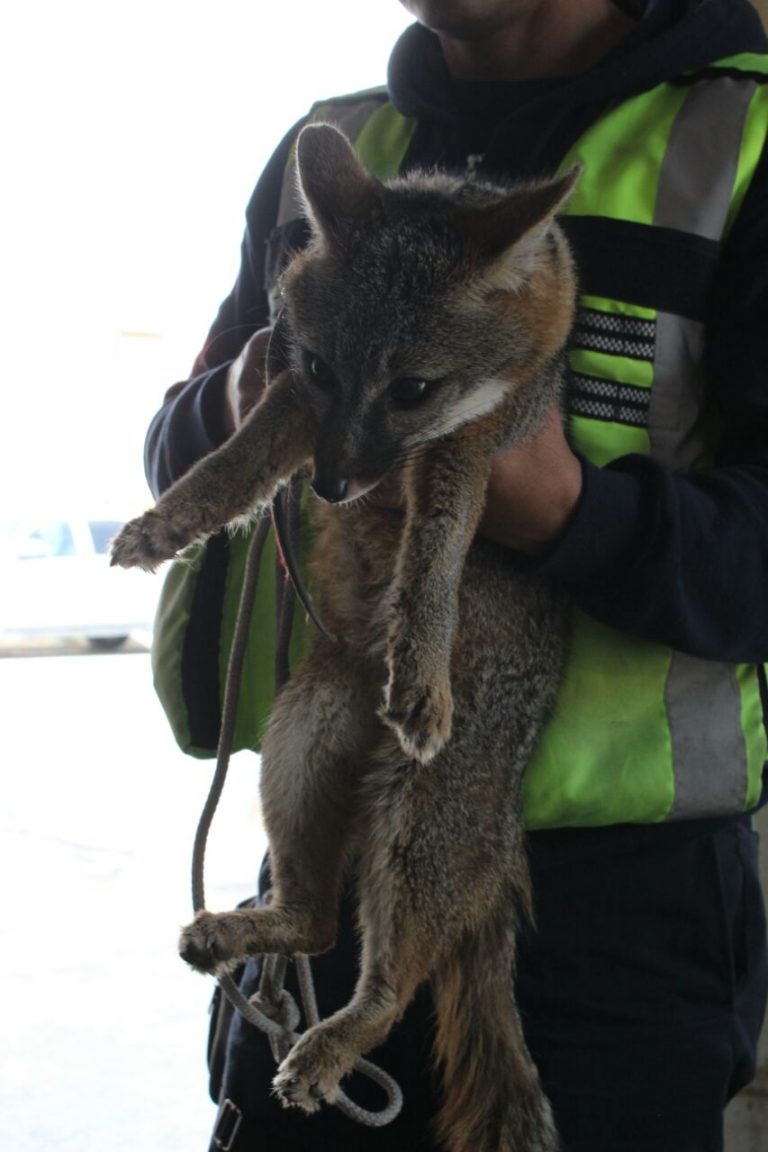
640, 733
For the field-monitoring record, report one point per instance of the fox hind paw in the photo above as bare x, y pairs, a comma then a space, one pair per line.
311, 1072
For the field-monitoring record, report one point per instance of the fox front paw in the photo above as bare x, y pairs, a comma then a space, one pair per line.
420, 714
207, 944
146, 542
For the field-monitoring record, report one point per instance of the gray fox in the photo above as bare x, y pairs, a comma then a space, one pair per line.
426, 322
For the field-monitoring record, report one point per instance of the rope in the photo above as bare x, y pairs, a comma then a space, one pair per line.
272, 1009
229, 711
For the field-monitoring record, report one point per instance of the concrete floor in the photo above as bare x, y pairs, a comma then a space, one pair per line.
103, 1032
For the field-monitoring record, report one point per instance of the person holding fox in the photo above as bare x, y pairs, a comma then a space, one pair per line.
641, 496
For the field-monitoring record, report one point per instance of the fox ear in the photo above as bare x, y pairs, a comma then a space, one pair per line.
508, 235
334, 185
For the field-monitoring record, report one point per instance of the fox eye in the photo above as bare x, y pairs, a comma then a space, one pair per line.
319, 371
409, 390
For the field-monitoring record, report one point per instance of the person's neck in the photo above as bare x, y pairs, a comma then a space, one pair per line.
553, 38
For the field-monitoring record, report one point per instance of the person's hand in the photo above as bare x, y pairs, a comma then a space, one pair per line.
533, 490
246, 379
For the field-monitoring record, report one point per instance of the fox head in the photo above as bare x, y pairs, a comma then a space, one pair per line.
419, 304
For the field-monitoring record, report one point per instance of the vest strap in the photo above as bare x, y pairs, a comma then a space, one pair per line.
620, 260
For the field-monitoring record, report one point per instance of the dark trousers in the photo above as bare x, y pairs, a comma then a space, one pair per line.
642, 989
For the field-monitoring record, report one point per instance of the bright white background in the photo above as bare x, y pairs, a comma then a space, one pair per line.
131, 136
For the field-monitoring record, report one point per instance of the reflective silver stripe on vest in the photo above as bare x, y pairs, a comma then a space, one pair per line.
699, 166
351, 119
694, 194
709, 752
703, 700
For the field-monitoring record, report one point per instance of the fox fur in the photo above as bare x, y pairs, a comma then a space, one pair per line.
426, 322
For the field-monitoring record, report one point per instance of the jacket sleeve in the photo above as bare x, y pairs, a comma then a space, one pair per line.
190, 423
682, 557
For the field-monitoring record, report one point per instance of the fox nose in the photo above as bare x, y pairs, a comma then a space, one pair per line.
330, 488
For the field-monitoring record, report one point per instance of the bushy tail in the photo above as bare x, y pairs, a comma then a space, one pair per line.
493, 1100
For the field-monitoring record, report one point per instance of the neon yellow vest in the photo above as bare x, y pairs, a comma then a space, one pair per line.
641, 732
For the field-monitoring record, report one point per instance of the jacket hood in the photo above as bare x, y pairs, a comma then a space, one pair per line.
671, 37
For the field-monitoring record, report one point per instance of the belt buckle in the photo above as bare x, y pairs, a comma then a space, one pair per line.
227, 1125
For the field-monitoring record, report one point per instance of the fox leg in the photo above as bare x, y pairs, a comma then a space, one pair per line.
238, 478
393, 966
398, 940
445, 496
310, 756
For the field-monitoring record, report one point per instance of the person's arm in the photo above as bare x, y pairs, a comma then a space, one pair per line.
197, 414
679, 558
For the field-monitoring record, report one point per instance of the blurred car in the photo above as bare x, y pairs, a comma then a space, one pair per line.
56, 581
